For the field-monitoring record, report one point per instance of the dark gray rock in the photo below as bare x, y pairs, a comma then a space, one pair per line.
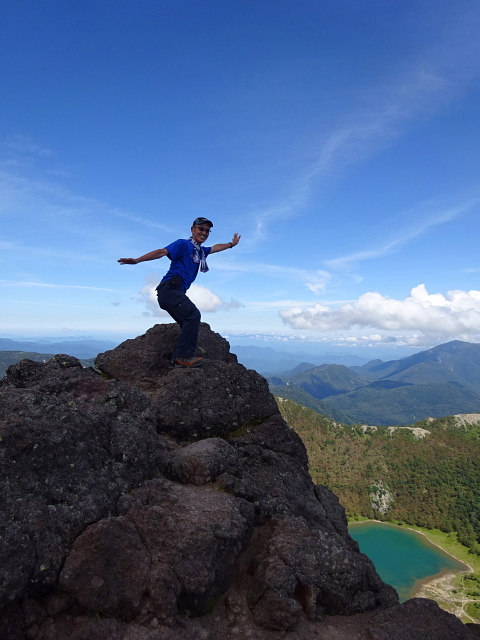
273, 474
297, 568
107, 568
214, 400
202, 461
417, 619
333, 510
219, 398
71, 443
238, 536
144, 359
195, 536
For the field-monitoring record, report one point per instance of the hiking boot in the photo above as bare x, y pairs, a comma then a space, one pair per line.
188, 363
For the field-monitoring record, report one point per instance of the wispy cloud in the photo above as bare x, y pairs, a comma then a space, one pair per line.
47, 252
439, 77
20, 283
281, 304
22, 194
315, 280
144, 221
22, 144
406, 235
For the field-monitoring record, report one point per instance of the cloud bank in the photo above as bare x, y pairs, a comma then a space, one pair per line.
455, 314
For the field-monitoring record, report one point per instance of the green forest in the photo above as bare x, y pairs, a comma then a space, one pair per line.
432, 482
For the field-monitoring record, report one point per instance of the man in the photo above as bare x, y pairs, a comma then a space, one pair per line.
186, 257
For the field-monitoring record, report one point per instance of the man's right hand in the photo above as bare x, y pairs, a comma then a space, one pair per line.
127, 261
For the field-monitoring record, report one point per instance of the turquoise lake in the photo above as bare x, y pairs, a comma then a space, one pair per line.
402, 557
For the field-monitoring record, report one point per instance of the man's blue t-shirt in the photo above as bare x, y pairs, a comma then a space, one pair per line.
180, 253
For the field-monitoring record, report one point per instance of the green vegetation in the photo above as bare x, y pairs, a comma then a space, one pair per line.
326, 380
431, 482
405, 404
449, 543
303, 397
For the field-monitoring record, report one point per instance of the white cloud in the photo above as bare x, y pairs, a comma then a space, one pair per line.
281, 304
456, 314
203, 298
55, 204
24, 145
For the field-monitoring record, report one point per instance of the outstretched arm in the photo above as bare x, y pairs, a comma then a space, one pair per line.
153, 255
229, 245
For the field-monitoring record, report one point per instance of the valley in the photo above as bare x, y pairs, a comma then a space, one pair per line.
424, 476
441, 381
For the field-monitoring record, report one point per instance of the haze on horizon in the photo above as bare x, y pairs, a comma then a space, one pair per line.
341, 139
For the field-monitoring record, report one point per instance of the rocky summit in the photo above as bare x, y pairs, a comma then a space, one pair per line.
141, 502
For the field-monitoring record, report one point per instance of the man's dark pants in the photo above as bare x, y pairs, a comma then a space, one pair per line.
174, 301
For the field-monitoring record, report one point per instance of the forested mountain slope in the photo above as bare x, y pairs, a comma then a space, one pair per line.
454, 361
442, 381
393, 475
324, 381
404, 404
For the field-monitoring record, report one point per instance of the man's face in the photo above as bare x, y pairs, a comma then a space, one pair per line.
200, 233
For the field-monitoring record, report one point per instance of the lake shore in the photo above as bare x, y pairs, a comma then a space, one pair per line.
418, 590
454, 590
434, 581
437, 579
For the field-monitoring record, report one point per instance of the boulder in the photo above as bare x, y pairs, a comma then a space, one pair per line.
176, 548
216, 399
71, 443
202, 461
144, 359
273, 474
107, 568
298, 569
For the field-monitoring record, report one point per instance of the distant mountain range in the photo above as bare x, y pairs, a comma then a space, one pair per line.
12, 351
78, 348
268, 361
442, 381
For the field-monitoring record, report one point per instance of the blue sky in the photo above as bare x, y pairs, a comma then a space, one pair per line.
341, 139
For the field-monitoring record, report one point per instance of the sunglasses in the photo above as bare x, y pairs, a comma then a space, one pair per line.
204, 229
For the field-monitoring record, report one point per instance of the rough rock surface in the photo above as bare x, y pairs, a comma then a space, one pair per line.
214, 400
202, 461
151, 503
71, 443
218, 398
146, 358
175, 549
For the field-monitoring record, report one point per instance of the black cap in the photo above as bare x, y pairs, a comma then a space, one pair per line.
201, 220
